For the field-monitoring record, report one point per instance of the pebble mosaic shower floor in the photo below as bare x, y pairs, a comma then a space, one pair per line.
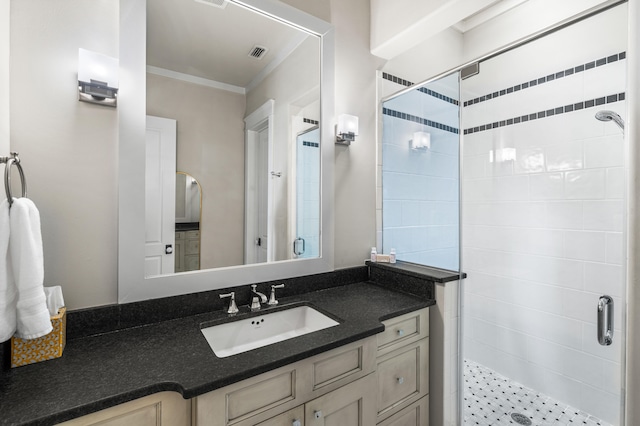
490, 399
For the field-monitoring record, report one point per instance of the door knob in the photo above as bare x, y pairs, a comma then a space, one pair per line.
168, 249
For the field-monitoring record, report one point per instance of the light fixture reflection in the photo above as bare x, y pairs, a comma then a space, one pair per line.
421, 141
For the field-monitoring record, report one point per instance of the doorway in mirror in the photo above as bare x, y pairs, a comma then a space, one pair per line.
307, 240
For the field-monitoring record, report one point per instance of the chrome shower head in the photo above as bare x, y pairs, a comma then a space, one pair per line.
606, 115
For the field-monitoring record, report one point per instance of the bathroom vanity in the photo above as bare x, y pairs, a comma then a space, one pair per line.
382, 379
371, 368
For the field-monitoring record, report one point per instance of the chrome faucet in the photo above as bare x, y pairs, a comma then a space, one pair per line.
255, 300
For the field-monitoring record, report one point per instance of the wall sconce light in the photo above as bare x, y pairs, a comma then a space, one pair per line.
97, 78
347, 129
421, 141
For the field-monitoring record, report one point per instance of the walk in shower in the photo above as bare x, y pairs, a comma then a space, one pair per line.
522, 188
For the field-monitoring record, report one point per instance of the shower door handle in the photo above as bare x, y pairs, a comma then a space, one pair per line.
605, 320
296, 246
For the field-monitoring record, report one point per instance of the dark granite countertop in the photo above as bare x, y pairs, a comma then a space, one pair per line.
187, 226
105, 370
419, 271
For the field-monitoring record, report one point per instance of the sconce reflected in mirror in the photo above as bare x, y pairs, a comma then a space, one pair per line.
347, 129
97, 78
421, 141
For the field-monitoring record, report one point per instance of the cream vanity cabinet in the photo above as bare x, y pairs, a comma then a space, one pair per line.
383, 380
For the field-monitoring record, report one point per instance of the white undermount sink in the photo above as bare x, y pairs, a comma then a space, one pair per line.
243, 335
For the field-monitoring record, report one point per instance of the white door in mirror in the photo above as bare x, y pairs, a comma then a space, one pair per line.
160, 207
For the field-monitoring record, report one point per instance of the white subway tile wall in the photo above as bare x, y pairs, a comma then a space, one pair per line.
543, 213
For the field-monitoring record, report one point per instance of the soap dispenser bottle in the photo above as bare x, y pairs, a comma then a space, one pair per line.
392, 256
374, 254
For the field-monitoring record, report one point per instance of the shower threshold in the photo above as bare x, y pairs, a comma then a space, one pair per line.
490, 399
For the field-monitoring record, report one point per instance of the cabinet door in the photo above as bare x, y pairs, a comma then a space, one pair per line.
403, 377
191, 263
417, 414
293, 417
161, 409
193, 246
350, 405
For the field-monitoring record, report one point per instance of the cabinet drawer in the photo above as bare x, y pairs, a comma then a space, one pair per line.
180, 235
402, 330
416, 414
403, 377
256, 397
344, 364
193, 234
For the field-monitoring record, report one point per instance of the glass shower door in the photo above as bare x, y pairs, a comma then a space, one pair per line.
420, 168
307, 241
543, 229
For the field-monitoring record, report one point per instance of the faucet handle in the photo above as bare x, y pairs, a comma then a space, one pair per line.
272, 297
233, 309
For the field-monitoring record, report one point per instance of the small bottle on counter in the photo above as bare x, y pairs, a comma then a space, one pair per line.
374, 254
392, 256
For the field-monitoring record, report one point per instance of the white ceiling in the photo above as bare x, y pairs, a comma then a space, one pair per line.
486, 14
196, 39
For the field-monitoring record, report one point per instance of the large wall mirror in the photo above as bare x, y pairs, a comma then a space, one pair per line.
237, 94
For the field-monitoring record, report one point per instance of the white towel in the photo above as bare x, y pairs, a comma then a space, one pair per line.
25, 253
7, 286
55, 300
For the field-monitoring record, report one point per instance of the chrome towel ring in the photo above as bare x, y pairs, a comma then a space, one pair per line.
13, 160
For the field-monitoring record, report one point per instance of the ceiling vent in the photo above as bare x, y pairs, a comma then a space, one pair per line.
216, 3
258, 52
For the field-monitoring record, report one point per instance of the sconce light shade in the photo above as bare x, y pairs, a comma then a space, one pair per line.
421, 141
97, 78
347, 129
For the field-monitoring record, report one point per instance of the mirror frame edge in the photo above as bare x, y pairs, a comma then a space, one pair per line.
132, 285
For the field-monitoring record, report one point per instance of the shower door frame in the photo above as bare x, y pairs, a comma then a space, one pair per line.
514, 45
